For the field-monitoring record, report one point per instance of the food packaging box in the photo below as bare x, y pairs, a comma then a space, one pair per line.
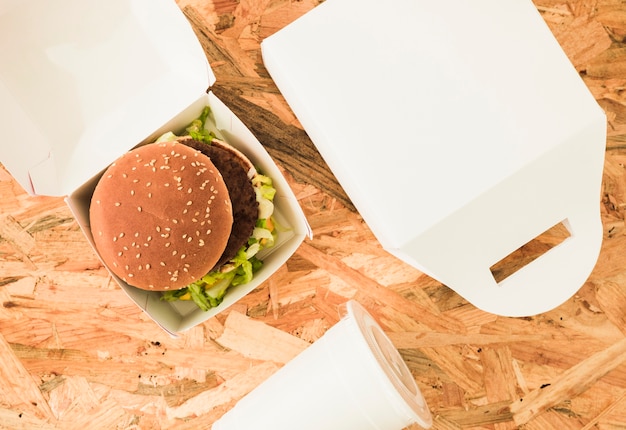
460, 130
82, 83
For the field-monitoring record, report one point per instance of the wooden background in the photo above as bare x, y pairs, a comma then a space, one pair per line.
75, 352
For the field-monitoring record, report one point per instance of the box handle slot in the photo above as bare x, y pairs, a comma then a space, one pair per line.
530, 251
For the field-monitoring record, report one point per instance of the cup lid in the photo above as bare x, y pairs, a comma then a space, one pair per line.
392, 364
82, 82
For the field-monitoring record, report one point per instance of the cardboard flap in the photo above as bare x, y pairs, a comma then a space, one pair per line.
82, 82
420, 116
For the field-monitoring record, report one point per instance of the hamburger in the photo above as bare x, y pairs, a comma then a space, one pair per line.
184, 215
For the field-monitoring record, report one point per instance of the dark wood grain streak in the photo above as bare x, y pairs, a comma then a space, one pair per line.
289, 145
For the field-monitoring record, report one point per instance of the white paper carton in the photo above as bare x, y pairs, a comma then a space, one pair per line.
83, 82
460, 130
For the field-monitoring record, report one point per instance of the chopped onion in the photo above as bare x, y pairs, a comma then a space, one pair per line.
252, 250
266, 208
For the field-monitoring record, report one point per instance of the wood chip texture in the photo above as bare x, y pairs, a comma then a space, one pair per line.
76, 353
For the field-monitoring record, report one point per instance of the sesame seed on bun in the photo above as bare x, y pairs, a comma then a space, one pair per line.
161, 216
237, 171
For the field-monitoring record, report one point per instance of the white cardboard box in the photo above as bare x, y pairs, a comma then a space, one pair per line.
83, 82
460, 130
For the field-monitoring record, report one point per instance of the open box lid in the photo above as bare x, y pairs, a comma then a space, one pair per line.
83, 82
421, 107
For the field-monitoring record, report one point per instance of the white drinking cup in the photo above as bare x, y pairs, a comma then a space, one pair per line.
352, 378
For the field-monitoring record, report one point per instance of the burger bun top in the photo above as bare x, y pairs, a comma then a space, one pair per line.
161, 216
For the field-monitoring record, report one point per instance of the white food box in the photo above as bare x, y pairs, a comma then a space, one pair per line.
83, 82
460, 130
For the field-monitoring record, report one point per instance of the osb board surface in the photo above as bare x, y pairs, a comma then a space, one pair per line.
76, 353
